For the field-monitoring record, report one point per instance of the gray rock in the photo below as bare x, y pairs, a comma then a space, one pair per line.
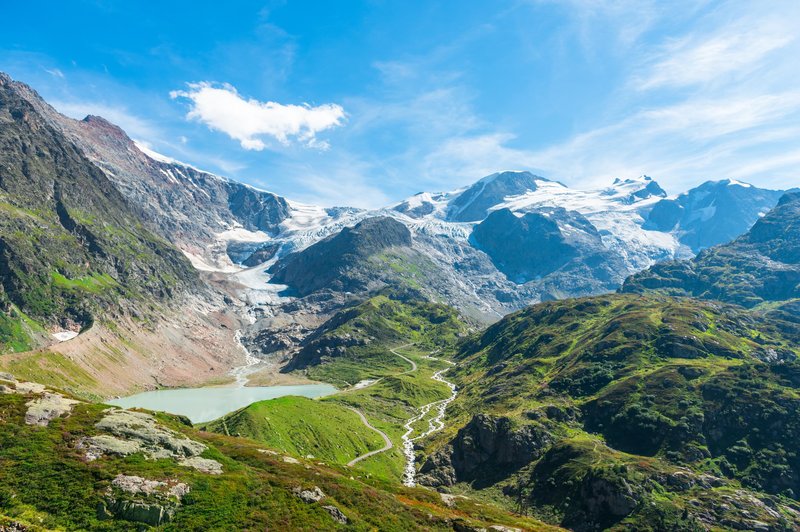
102, 444
336, 513
150, 513
157, 441
313, 495
204, 465
48, 407
135, 485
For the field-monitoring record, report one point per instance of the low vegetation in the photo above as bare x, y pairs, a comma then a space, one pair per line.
628, 411
48, 481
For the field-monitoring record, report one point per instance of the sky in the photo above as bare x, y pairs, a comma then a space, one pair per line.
364, 103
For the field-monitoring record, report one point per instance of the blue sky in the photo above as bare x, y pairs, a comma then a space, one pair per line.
365, 103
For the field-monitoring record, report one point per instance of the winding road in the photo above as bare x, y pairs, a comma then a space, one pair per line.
435, 424
386, 439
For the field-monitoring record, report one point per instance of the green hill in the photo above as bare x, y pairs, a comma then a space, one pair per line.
355, 343
623, 410
302, 427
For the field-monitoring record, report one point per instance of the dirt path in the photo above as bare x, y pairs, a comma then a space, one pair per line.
413, 364
388, 443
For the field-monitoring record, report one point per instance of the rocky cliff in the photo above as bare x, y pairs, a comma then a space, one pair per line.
71, 246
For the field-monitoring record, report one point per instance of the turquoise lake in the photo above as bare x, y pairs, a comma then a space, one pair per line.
205, 404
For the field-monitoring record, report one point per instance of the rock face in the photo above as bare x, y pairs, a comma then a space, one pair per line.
71, 247
181, 203
714, 213
596, 500
473, 204
536, 244
152, 502
337, 262
484, 450
761, 265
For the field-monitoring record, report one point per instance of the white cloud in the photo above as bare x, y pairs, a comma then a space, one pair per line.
691, 61
56, 73
222, 108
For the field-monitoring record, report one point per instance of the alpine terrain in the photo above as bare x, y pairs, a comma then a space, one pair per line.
182, 351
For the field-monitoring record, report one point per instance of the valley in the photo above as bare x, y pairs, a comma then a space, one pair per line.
180, 351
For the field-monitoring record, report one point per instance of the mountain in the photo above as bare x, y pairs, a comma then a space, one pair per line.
474, 203
714, 213
338, 262
532, 245
761, 265
71, 248
626, 411
199, 211
220, 224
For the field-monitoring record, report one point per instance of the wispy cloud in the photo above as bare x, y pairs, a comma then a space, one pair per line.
694, 60
721, 99
56, 73
222, 108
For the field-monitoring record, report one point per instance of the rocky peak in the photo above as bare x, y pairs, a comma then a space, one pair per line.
474, 203
633, 190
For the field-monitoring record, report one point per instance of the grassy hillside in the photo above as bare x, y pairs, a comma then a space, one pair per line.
328, 429
355, 344
157, 471
625, 410
302, 427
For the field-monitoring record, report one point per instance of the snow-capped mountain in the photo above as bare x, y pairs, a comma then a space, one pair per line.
510, 239
713, 213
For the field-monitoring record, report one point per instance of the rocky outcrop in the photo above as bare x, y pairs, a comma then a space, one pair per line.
533, 245
48, 407
133, 498
310, 495
324, 349
129, 432
336, 514
485, 450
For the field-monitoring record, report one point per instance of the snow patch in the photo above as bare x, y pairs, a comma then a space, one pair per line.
63, 336
240, 234
160, 157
